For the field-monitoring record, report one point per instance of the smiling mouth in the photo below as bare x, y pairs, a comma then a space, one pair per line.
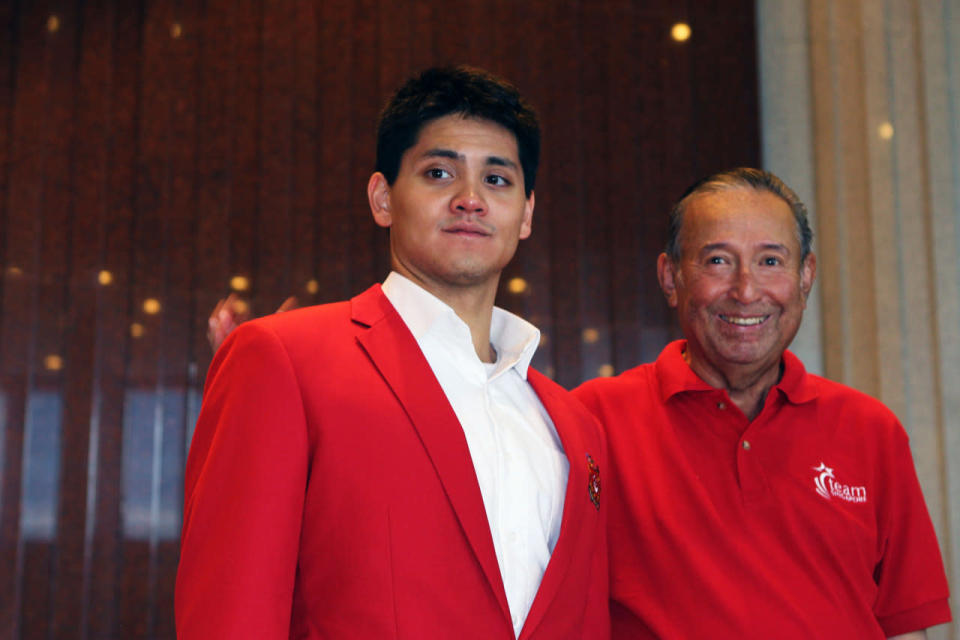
740, 321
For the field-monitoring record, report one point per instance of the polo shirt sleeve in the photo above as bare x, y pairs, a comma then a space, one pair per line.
912, 587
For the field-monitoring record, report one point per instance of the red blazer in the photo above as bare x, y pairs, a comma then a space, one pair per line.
330, 493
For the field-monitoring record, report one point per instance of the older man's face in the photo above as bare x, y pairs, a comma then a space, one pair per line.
739, 287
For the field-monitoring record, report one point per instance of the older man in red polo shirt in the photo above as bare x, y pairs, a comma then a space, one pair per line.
750, 499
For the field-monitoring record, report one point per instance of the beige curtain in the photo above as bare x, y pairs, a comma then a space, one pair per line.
860, 104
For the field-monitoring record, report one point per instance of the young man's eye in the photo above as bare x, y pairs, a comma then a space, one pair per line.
498, 181
437, 173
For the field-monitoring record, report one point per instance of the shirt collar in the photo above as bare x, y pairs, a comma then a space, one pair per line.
514, 339
676, 376
795, 383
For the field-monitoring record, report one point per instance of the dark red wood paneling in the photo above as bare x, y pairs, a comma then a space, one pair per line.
305, 156
175, 145
215, 176
87, 156
115, 318
336, 76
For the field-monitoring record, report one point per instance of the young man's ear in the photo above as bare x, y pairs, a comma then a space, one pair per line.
667, 275
526, 225
378, 193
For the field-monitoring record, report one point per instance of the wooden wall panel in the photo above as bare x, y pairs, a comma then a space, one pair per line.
115, 326
154, 150
88, 168
336, 77
304, 155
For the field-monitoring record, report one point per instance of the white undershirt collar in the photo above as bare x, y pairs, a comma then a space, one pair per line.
513, 339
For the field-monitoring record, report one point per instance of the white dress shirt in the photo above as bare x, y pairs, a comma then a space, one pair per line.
516, 452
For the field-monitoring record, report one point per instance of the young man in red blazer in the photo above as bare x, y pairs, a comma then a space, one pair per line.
389, 466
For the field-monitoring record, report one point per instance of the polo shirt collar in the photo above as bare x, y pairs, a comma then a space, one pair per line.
795, 383
676, 376
514, 339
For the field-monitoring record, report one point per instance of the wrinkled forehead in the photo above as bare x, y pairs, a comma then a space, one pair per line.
740, 216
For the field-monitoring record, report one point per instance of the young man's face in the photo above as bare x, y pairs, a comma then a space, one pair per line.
740, 286
457, 208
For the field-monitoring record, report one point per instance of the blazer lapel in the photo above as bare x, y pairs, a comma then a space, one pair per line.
576, 505
395, 353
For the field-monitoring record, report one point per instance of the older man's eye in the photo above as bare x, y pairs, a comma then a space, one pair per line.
771, 261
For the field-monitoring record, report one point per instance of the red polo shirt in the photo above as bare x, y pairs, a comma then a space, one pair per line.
807, 522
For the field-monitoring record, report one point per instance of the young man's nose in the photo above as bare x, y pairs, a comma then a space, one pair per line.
468, 200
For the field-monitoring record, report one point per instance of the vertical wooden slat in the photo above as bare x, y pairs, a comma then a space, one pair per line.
566, 157
91, 179
422, 38
305, 154
458, 37
114, 323
658, 119
11, 404
274, 226
396, 39
8, 42
665, 165
367, 241
19, 306
216, 171
143, 410
603, 31
725, 131
88, 163
36, 614
179, 214
337, 142
627, 232
244, 129
43, 424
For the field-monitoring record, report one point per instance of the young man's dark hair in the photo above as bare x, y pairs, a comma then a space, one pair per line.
470, 92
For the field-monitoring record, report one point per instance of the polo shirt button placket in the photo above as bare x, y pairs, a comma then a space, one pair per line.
753, 482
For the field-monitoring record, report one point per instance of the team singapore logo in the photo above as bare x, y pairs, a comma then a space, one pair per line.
828, 487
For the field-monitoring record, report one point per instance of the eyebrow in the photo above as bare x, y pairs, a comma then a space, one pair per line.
767, 246
498, 161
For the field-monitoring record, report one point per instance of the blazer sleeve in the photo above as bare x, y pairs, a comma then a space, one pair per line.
245, 482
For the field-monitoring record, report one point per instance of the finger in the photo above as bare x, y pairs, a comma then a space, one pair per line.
288, 304
216, 310
240, 311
